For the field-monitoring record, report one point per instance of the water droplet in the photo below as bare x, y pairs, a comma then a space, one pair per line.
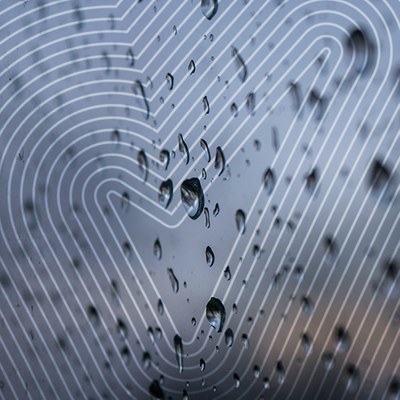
125, 355
179, 352
173, 280
115, 137
262, 313
161, 379
207, 217
299, 272
342, 339
240, 221
155, 391
164, 158
250, 321
122, 329
204, 146
275, 138
215, 313
394, 389
306, 342
234, 308
234, 110
206, 105
114, 293
227, 273
251, 103
214, 389
157, 249
194, 321
295, 91
93, 315
209, 8
160, 307
328, 360
183, 149
269, 180
211, 37
257, 144
311, 181
170, 81
245, 341
130, 58
219, 163
380, 179
256, 251
158, 333
175, 30
331, 248
216, 210
202, 365
237, 380
266, 383
150, 333
192, 197
141, 99
239, 64
256, 371
127, 250
125, 201
281, 372
229, 337
203, 174
276, 282
352, 377
165, 193
191, 67
209, 256
308, 306
146, 360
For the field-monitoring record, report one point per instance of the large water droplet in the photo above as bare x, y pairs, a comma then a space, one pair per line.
251, 103
240, 219
229, 337
160, 307
204, 146
239, 64
141, 99
209, 8
245, 341
155, 391
227, 273
170, 81
157, 249
173, 280
114, 293
237, 380
206, 105
266, 383
209, 256
328, 360
215, 313
146, 360
281, 372
202, 365
165, 193
185, 395
306, 342
164, 158
269, 180
122, 329
234, 110
125, 355
179, 352
308, 306
183, 149
192, 197
352, 378
219, 163
342, 339
93, 315
192, 67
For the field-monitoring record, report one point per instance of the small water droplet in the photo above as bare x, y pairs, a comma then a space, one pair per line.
214, 389
269, 180
141, 99
256, 251
122, 329
158, 333
130, 58
295, 91
164, 158
215, 313
342, 339
266, 383
203, 174
126, 248
209, 8
209, 256
250, 321
157, 249
183, 149
257, 144
216, 210
262, 313
146, 360
352, 377
93, 315
331, 248
234, 308
125, 202
328, 360
227, 273
173, 280
275, 139
306, 342
307, 305
281, 372
256, 371
219, 163
312, 180
237, 380
229, 337
155, 391
192, 197
211, 37
179, 352
239, 64
175, 30
170, 81
194, 321
245, 341
206, 105
204, 146
234, 110
240, 219
125, 355
202, 365
207, 217
299, 272
251, 103
150, 334
165, 193
160, 307
114, 293
191, 67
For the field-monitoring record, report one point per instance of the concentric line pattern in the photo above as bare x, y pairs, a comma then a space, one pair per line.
92, 91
